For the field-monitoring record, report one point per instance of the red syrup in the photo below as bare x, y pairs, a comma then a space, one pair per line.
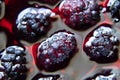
104, 4
34, 52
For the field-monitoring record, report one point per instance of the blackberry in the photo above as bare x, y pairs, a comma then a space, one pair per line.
14, 62
114, 7
33, 23
56, 51
105, 74
101, 45
41, 76
79, 14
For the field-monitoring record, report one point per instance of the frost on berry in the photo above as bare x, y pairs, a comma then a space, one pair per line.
41, 76
101, 45
56, 51
105, 74
14, 63
79, 14
113, 7
33, 23
3, 75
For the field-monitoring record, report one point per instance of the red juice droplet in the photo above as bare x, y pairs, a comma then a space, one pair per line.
34, 52
105, 3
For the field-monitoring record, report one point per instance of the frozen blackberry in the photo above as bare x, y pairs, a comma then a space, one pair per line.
114, 7
32, 23
56, 51
103, 75
14, 61
41, 76
79, 14
101, 45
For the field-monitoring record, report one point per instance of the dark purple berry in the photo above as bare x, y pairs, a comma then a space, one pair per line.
114, 7
101, 45
79, 14
56, 51
33, 23
14, 62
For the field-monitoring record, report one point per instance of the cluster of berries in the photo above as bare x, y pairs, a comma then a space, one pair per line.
55, 52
